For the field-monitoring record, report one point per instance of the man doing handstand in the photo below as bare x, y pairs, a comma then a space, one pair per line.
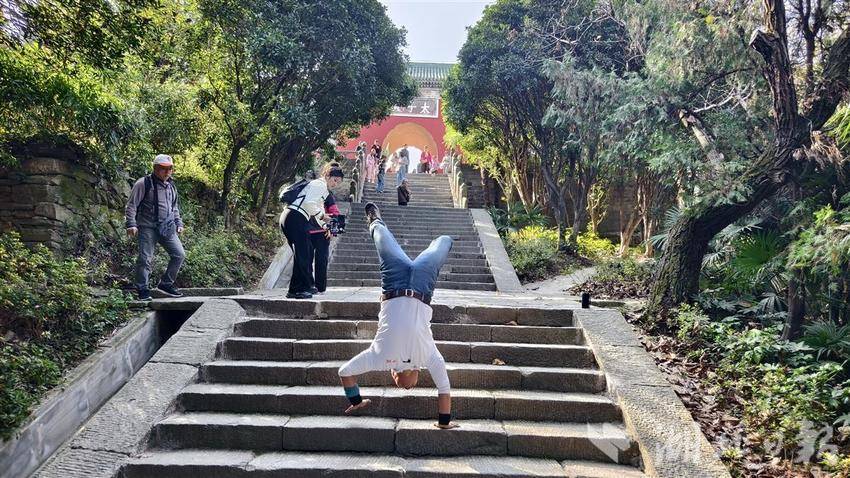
403, 343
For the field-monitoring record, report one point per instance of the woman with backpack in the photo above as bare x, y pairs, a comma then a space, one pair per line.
306, 212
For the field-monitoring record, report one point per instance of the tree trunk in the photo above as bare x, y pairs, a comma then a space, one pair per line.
229, 170
796, 307
676, 279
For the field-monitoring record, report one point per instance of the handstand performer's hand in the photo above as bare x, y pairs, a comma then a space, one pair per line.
447, 427
353, 408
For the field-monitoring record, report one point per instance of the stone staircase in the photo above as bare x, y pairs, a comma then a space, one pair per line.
270, 404
429, 214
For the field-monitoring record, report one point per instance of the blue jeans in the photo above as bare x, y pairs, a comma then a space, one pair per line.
401, 174
380, 186
398, 271
148, 238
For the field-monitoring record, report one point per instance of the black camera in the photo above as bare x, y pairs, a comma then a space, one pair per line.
337, 225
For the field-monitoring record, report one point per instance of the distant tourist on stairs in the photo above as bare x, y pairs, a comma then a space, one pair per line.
403, 343
153, 216
305, 213
377, 148
382, 164
425, 161
403, 193
444, 165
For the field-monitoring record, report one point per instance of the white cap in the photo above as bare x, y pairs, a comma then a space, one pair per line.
162, 160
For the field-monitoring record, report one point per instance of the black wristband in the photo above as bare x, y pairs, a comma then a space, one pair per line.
444, 419
355, 400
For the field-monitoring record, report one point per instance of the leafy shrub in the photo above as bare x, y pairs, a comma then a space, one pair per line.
595, 248
533, 251
49, 321
829, 340
517, 216
781, 387
619, 278
836, 463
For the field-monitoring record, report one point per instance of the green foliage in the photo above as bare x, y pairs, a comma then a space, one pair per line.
781, 386
595, 248
625, 269
518, 216
836, 463
49, 321
830, 340
533, 251
41, 104
92, 32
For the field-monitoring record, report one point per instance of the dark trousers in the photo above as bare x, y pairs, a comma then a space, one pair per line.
296, 229
322, 248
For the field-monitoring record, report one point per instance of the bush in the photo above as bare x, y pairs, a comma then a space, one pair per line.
784, 391
533, 251
595, 248
49, 321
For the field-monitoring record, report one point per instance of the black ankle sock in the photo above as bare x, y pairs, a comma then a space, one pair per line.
444, 419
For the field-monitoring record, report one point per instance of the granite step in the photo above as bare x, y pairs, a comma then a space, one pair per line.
359, 246
366, 329
372, 260
538, 355
606, 442
480, 286
461, 375
365, 252
373, 267
444, 276
227, 464
392, 402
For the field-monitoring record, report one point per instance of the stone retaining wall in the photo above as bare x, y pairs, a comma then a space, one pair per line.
51, 197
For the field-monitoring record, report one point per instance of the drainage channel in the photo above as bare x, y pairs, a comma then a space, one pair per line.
86, 388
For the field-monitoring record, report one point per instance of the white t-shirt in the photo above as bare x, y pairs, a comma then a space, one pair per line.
403, 342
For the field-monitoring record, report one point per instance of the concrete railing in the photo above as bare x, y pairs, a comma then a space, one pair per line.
458, 184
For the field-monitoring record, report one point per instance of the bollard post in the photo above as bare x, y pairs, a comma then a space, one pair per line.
585, 300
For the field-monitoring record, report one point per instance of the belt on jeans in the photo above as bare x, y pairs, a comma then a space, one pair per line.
425, 298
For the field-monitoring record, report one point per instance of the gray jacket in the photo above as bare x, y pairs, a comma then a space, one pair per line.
140, 207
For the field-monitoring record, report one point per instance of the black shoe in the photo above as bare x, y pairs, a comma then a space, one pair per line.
372, 212
169, 290
299, 295
144, 295
314, 290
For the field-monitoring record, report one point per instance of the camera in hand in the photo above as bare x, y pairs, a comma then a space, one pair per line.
337, 225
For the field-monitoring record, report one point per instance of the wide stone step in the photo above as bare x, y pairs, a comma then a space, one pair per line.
404, 437
418, 226
410, 240
459, 252
461, 375
440, 284
429, 231
444, 276
538, 355
227, 464
359, 246
372, 259
392, 402
347, 266
364, 236
417, 212
366, 329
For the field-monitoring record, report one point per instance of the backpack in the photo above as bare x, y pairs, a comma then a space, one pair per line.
292, 192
